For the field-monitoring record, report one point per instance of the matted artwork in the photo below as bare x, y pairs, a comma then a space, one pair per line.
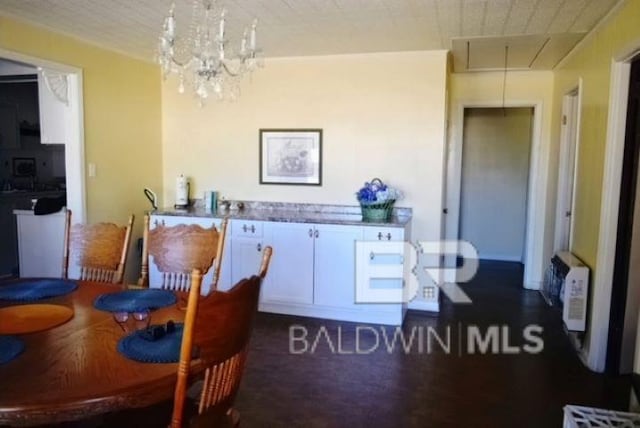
291, 156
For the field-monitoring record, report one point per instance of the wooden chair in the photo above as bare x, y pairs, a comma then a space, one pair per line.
99, 251
221, 349
178, 250
266, 260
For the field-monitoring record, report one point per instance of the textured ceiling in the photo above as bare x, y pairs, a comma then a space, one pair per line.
316, 27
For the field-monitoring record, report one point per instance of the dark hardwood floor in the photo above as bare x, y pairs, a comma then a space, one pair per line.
424, 387
421, 388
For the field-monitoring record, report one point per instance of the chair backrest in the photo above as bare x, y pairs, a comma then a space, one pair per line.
96, 252
178, 250
218, 326
266, 260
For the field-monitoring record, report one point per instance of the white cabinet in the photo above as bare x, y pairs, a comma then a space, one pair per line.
312, 273
290, 277
246, 249
40, 243
334, 265
224, 283
54, 112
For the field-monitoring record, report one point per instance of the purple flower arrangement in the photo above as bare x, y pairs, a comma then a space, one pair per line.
376, 192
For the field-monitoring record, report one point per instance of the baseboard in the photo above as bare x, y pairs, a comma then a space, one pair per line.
386, 315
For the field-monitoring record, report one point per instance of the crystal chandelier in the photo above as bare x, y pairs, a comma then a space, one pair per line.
202, 58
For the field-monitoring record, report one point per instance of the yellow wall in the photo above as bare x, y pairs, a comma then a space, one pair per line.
382, 115
522, 88
592, 62
122, 117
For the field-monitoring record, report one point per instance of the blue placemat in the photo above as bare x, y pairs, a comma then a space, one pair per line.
134, 300
10, 347
36, 289
163, 350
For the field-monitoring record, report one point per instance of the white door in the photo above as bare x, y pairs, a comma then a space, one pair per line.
335, 261
290, 277
246, 255
567, 170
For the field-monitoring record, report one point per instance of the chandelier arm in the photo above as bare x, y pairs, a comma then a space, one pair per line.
231, 73
180, 64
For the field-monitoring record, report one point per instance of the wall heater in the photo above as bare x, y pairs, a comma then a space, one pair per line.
567, 285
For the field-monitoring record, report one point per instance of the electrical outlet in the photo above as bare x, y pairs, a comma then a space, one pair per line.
92, 170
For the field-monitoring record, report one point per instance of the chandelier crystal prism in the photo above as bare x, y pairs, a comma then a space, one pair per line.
203, 58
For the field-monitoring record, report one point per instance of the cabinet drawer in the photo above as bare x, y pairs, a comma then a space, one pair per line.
246, 228
383, 234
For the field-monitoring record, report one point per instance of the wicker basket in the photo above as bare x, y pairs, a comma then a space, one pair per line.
377, 212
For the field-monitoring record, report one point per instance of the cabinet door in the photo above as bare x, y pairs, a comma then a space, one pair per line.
385, 234
224, 283
290, 277
53, 112
334, 265
246, 255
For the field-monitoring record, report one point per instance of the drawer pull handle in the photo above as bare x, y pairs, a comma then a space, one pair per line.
372, 256
310, 233
259, 247
379, 236
389, 236
244, 228
317, 234
253, 229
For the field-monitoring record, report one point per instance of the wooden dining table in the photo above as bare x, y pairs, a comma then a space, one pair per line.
74, 371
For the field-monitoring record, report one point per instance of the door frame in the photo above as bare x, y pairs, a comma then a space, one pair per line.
74, 148
564, 159
609, 207
535, 212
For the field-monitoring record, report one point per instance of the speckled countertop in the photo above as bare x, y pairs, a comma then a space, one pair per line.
291, 213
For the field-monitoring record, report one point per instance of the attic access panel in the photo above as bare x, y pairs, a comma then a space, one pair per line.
530, 52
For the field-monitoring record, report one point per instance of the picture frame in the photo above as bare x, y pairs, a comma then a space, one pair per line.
24, 167
291, 156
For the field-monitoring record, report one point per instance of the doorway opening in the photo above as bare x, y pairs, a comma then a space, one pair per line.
567, 169
58, 88
625, 287
74, 124
495, 181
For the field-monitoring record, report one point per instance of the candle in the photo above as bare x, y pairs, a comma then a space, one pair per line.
243, 44
253, 35
221, 33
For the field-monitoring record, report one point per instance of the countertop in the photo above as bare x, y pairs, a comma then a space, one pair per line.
292, 213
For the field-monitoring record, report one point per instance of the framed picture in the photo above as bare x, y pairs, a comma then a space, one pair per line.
291, 156
24, 167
